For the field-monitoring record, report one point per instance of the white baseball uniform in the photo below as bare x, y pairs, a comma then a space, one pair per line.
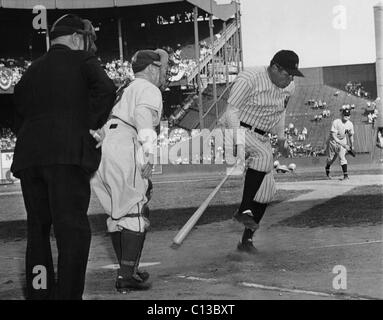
333, 148
129, 135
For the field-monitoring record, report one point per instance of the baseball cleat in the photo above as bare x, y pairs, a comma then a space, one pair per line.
247, 219
144, 275
124, 285
247, 247
345, 178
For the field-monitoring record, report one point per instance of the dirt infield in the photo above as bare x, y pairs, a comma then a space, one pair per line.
298, 246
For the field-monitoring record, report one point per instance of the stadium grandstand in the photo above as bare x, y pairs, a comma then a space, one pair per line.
205, 44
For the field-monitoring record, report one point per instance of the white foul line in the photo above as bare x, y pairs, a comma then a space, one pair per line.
14, 193
142, 264
348, 244
263, 287
197, 278
272, 288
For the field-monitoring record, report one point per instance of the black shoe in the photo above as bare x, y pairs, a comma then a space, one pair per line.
134, 282
247, 247
246, 217
143, 275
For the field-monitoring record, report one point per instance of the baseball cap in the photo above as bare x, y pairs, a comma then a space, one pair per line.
67, 24
143, 58
289, 61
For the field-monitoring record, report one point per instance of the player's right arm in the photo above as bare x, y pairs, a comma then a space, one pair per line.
147, 114
237, 99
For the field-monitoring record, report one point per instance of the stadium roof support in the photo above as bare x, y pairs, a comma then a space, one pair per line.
378, 17
197, 55
222, 11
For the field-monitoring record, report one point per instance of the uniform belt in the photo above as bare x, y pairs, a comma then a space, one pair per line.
261, 132
115, 126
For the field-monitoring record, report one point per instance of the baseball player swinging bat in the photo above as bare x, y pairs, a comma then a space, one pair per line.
188, 226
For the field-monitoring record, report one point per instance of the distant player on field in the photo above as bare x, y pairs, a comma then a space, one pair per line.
258, 103
337, 142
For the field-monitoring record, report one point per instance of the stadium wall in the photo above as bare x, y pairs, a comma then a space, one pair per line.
338, 76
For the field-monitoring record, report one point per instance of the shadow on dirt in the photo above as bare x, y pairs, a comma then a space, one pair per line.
169, 219
360, 206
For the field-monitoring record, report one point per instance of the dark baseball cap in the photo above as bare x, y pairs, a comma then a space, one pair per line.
143, 58
346, 112
66, 25
289, 61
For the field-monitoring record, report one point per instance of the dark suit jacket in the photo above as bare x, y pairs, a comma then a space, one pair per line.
60, 97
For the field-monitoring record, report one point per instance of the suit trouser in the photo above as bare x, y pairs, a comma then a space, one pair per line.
56, 195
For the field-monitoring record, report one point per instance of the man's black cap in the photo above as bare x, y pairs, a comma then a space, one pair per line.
143, 58
66, 25
289, 61
346, 112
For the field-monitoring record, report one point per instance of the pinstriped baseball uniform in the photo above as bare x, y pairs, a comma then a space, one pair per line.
267, 190
257, 102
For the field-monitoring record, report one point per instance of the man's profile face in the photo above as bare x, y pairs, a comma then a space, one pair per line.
280, 77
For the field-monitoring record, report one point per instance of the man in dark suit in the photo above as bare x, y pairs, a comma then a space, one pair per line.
62, 97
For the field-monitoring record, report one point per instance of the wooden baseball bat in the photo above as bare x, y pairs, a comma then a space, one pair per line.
185, 230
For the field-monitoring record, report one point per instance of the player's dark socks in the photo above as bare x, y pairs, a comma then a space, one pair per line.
253, 181
116, 242
131, 247
247, 235
258, 210
344, 169
327, 170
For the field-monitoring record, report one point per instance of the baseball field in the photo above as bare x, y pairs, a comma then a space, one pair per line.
320, 239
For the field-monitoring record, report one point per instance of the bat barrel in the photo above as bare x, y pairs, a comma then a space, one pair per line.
185, 230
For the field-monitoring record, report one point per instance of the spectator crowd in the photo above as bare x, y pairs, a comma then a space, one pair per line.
356, 89
7, 139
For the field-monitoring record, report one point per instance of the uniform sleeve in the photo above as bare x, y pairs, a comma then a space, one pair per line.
334, 127
150, 97
147, 114
239, 93
102, 91
145, 117
238, 96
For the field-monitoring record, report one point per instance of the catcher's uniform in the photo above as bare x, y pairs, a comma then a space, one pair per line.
258, 106
129, 135
333, 148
